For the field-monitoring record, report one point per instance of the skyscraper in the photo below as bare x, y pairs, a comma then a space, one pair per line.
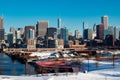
51, 32
41, 28
100, 31
1, 29
116, 33
1, 23
13, 31
10, 38
88, 34
64, 35
59, 23
59, 27
84, 27
94, 28
77, 34
1, 34
111, 28
104, 20
31, 34
94, 32
20, 33
27, 28
21, 30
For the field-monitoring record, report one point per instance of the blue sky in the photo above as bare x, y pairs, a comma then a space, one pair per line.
18, 13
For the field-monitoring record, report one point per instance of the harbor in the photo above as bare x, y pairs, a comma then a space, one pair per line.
10, 66
42, 61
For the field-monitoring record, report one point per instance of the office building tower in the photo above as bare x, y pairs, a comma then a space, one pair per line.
100, 31
84, 27
20, 33
51, 33
116, 32
77, 34
59, 23
107, 32
41, 28
5, 37
64, 35
87, 34
1, 23
111, 28
21, 30
12, 30
1, 34
1, 30
60, 44
94, 32
30, 37
94, 28
27, 28
104, 20
31, 34
10, 39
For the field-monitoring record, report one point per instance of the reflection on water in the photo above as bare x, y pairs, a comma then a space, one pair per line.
10, 66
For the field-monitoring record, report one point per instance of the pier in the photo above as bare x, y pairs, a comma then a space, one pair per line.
23, 53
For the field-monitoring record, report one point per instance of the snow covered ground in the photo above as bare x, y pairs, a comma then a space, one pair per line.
103, 71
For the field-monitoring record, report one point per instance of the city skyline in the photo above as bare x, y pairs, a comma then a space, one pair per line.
72, 13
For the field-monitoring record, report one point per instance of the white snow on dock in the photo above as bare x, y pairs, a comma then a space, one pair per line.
104, 71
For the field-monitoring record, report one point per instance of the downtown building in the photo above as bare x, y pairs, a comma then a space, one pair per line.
41, 28
104, 21
84, 28
30, 37
10, 37
13, 31
87, 34
59, 26
51, 33
116, 33
20, 33
52, 38
77, 34
1, 30
100, 31
64, 35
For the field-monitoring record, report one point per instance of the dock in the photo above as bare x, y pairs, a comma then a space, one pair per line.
22, 54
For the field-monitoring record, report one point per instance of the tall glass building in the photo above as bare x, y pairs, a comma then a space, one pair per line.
106, 32
88, 34
116, 32
64, 35
31, 34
